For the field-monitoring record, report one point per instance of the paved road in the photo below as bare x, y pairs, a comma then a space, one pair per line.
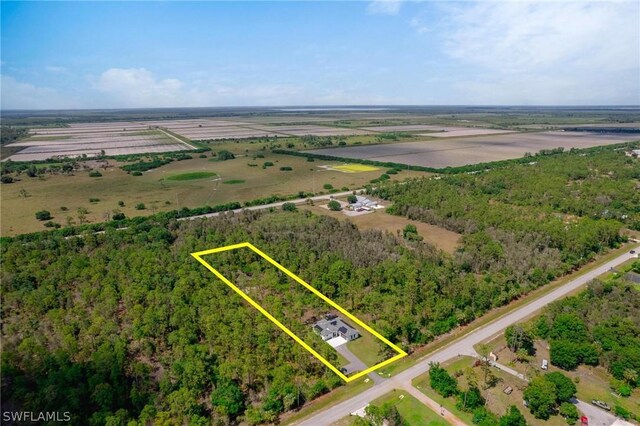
278, 204
464, 345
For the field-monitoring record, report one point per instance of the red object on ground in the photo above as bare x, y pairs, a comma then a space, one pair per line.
584, 421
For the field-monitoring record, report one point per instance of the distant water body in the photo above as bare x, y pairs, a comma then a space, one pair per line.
334, 109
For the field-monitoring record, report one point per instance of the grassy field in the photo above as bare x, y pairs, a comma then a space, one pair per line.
366, 347
192, 176
412, 411
159, 193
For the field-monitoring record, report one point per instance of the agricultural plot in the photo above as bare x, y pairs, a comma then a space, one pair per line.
304, 130
481, 149
453, 132
439, 131
92, 144
227, 132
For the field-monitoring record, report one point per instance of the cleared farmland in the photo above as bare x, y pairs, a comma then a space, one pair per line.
481, 149
439, 131
91, 140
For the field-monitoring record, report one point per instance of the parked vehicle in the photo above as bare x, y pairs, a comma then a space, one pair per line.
545, 364
601, 404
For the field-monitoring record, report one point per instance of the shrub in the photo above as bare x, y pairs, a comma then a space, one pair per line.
565, 388
6, 179
569, 412
470, 399
441, 381
202, 156
541, 396
43, 215
118, 216
311, 160
267, 164
95, 173
51, 224
140, 206
94, 200
136, 173
327, 186
225, 155
622, 412
334, 205
121, 203
513, 417
625, 390
286, 169
352, 199
289, 207
64, 208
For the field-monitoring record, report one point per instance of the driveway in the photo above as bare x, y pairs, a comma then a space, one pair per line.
355, 364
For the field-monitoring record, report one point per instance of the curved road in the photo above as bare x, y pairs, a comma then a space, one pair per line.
464, 345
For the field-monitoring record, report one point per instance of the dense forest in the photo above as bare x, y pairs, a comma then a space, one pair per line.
529, 223
125, 326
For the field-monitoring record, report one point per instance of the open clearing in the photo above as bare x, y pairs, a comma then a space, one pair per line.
441, 238
158, 193
480, 149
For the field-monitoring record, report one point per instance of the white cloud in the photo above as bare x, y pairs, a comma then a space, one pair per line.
56, 69
384, 7
137, 87
19, 95
419, 25
558, 52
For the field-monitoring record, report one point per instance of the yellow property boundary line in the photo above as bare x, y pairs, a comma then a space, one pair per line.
198, 256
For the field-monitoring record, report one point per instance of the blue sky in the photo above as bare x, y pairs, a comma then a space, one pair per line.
181, 54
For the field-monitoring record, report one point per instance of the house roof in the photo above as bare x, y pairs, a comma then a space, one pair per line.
335, 325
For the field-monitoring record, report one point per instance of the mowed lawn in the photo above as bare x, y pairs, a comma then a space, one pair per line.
412, 411
366, 348
157, 192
